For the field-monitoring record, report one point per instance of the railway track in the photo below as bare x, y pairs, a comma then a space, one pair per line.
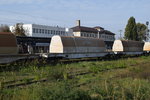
30, 58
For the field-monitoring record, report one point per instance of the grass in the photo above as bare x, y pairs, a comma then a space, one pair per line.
124, 79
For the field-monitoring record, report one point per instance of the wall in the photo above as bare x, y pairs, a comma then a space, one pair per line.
35, 30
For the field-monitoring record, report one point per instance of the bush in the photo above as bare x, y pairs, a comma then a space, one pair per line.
63, 92
124, 89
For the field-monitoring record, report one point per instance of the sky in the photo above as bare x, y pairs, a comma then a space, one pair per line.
109, 14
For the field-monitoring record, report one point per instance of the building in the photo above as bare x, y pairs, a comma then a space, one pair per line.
95, 32
39, 36
35, 30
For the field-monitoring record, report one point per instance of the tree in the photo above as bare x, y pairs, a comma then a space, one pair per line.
19, 30
141, 30
131, 30
4, 28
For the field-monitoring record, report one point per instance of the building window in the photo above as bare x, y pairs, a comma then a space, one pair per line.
96, 35
45, 31
48, 31
42, 30
34, 30
87, 35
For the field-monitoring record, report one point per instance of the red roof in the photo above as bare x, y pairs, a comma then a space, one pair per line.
84, 29
106, 32
90, 30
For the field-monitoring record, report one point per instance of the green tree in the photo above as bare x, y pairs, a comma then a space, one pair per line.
4, 28
131, 30
19, 30
141, 30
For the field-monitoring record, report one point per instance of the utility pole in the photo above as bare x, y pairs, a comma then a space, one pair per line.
147, 32
98, 34
120, 31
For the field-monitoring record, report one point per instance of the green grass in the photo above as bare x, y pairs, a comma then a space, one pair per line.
124, 79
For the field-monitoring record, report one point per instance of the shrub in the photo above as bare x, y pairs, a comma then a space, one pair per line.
63, 92
124, 89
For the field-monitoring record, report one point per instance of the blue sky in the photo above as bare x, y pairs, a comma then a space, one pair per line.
110, 14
